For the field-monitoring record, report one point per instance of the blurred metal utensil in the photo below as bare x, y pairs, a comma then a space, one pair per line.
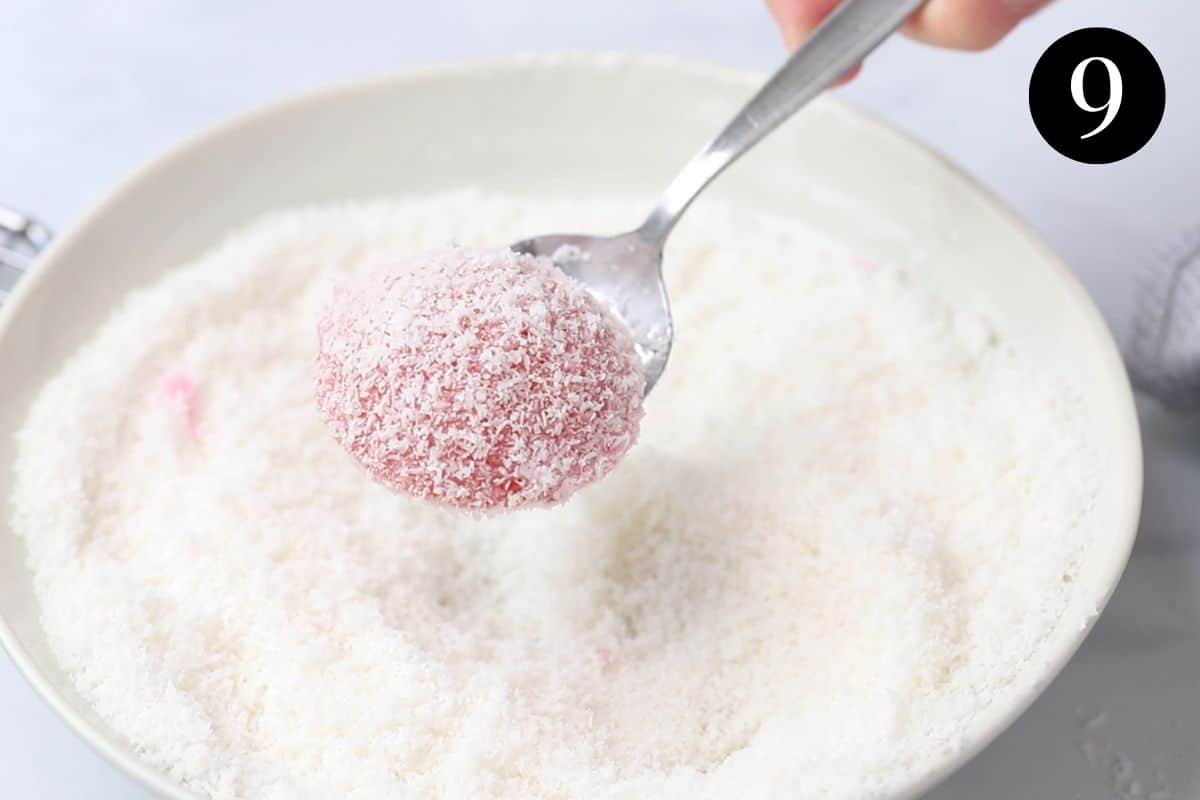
21, 239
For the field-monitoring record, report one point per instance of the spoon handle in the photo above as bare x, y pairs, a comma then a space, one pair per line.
852, 31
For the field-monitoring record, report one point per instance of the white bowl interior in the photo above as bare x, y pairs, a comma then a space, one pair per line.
603, 124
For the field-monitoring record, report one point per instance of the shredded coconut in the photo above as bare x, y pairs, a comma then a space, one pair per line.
853, 516
481, 379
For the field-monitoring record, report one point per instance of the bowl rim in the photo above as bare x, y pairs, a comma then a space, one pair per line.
156, 781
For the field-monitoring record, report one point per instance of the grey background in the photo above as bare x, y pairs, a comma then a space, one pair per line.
91, 90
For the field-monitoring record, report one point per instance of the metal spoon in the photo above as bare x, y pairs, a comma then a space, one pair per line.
21, 239
625, 272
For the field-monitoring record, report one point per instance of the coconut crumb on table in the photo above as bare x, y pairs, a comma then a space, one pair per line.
827, 555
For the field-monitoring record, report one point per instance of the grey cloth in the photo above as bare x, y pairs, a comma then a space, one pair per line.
1164, 351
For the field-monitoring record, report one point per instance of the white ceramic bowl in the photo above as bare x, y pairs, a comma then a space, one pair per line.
584, 123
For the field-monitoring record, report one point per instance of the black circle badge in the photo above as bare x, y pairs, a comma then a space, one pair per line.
1097, 95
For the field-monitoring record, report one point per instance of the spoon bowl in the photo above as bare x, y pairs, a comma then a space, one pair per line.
625, 274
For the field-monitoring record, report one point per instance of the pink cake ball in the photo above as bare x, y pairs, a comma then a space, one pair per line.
479, 379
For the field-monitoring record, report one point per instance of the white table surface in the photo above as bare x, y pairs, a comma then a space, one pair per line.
91, 90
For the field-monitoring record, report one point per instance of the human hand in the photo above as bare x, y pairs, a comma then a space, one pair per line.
960, 24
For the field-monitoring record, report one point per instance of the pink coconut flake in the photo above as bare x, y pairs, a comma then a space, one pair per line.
606, 657
478, 379
864, 263
183, 396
